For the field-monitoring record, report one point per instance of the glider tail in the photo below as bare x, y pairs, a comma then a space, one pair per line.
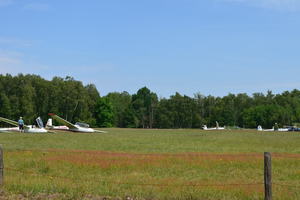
259, 128
49, 123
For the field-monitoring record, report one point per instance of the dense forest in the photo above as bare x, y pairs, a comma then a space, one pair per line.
31, 96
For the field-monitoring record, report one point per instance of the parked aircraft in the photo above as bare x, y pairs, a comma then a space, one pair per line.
27, 128
77, 127
293, 128
259, 128
214, 128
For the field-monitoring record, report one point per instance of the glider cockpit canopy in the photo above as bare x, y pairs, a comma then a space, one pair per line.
83, 125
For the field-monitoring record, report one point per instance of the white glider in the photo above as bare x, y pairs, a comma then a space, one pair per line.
77, 127
214, 128
259, 128
27, 128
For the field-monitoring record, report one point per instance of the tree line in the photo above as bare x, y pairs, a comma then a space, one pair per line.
31, 96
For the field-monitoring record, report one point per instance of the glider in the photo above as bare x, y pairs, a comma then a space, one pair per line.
27, 128
215, 128
259, 128
68, 126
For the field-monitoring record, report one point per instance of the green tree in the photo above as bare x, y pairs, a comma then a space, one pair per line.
5, 109
144, 103
104, 113
123, 113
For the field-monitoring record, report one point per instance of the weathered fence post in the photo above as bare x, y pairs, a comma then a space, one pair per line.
1, 165
268, 176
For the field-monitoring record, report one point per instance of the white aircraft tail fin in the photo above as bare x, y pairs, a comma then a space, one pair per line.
259, 128
217, 124
204, 127
49, 123
39, 122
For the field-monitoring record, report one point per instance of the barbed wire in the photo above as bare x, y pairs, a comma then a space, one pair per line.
189, 154
285, 156
286, 185
191, 184
158, 184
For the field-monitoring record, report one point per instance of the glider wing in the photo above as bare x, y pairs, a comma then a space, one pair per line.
9, 121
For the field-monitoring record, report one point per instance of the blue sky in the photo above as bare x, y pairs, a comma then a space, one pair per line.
189, 46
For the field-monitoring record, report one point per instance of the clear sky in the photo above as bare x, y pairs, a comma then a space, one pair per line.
189, 46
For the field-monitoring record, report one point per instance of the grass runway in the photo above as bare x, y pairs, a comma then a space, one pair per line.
150, 164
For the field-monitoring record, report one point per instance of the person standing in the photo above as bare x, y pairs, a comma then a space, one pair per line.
21, 124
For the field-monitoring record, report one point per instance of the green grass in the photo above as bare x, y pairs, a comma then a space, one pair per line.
151, 164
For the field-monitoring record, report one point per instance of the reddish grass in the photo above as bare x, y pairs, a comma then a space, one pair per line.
117, 159
106, 159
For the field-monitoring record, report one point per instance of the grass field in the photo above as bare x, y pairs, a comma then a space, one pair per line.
149, 164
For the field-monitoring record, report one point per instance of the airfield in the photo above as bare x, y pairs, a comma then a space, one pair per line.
149, 164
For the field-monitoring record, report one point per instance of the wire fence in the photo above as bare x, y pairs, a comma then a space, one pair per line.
188, 184
188, 154
155, 184
140, 184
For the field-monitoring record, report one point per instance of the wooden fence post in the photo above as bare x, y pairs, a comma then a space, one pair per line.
268, 175
1, 165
